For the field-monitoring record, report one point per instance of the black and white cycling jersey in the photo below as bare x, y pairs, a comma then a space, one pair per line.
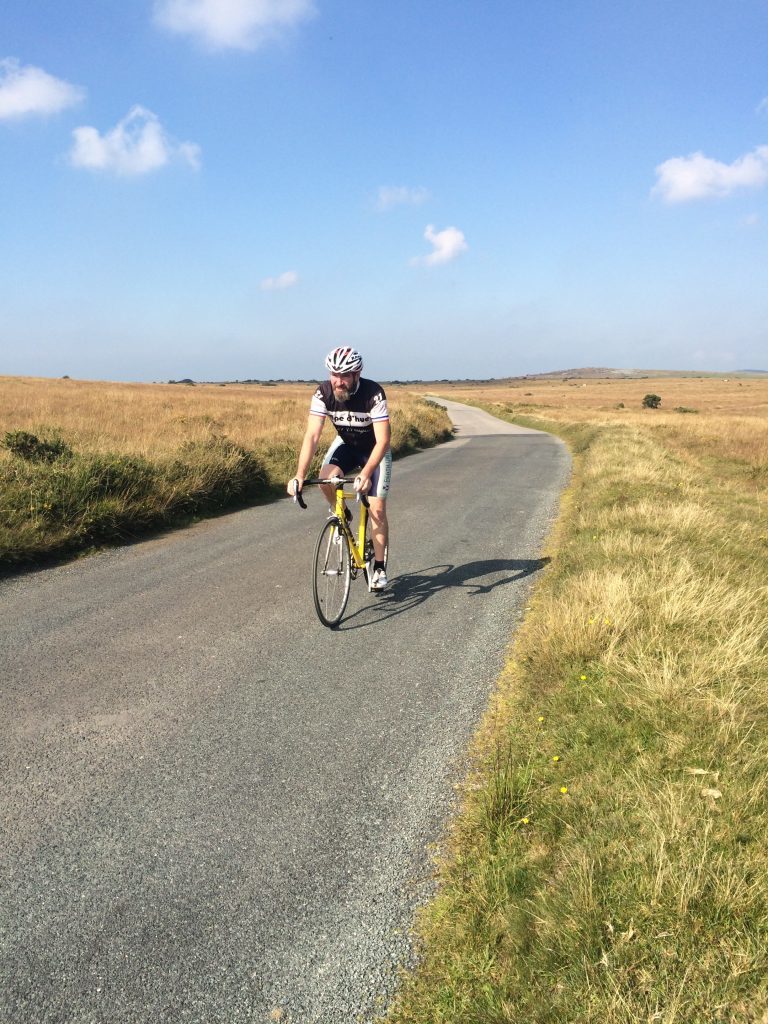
354, 418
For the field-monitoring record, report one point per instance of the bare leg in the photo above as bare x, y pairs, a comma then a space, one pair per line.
330, 492
379, 526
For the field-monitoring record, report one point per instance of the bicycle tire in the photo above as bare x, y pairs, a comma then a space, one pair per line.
331, 574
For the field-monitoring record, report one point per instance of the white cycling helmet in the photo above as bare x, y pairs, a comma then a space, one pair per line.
344, 360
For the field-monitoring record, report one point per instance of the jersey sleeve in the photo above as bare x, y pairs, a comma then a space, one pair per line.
317, 406
378, 410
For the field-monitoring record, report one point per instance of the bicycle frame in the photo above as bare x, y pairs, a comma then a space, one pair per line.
356, 546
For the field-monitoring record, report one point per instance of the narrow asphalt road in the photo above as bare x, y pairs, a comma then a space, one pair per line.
214, 809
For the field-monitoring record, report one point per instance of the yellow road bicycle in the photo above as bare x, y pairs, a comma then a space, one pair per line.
340, 556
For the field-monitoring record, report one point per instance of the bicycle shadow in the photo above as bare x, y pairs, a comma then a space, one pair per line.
412, 589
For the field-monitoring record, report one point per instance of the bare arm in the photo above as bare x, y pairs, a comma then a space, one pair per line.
309, 445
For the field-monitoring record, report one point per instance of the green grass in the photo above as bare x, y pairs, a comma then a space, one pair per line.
611, 861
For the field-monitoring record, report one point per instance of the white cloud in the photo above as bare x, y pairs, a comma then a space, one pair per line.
684, 178
281, 282
136, 145
29, 90
400, 195
447, 245
762, 107
239, 24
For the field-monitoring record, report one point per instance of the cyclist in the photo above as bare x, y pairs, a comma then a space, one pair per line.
357, 407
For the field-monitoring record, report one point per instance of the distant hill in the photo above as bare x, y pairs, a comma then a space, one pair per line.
576, 373
603, 373
585, 371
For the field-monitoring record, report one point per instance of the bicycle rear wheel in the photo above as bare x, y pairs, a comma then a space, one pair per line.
331, 574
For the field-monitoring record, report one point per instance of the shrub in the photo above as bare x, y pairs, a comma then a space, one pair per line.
651, 402
683, 408
35, 449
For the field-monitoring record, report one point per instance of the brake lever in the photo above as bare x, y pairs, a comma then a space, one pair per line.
298, 500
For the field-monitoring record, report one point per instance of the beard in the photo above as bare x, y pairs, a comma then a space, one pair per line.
341, 392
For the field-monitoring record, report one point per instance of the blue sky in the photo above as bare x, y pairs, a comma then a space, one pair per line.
225, 189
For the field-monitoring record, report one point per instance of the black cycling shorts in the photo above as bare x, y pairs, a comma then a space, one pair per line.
348, 459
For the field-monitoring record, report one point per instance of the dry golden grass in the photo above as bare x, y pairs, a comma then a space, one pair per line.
151, 419
710, 395
731, 418
154, 420
611, 862
141, 455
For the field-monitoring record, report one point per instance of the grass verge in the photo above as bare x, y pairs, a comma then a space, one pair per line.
610, 863
117, 462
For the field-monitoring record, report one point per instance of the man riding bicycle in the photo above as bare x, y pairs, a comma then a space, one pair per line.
357, 407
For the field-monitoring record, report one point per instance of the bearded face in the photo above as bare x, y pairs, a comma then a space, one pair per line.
344, 385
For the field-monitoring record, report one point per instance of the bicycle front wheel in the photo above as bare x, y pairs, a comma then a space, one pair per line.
331, 574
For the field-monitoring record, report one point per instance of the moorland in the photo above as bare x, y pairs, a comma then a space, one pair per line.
84, 463
610, 862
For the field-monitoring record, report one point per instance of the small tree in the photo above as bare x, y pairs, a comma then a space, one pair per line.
651, 401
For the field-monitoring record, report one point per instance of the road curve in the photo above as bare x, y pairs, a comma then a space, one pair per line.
468, 421
213, 808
